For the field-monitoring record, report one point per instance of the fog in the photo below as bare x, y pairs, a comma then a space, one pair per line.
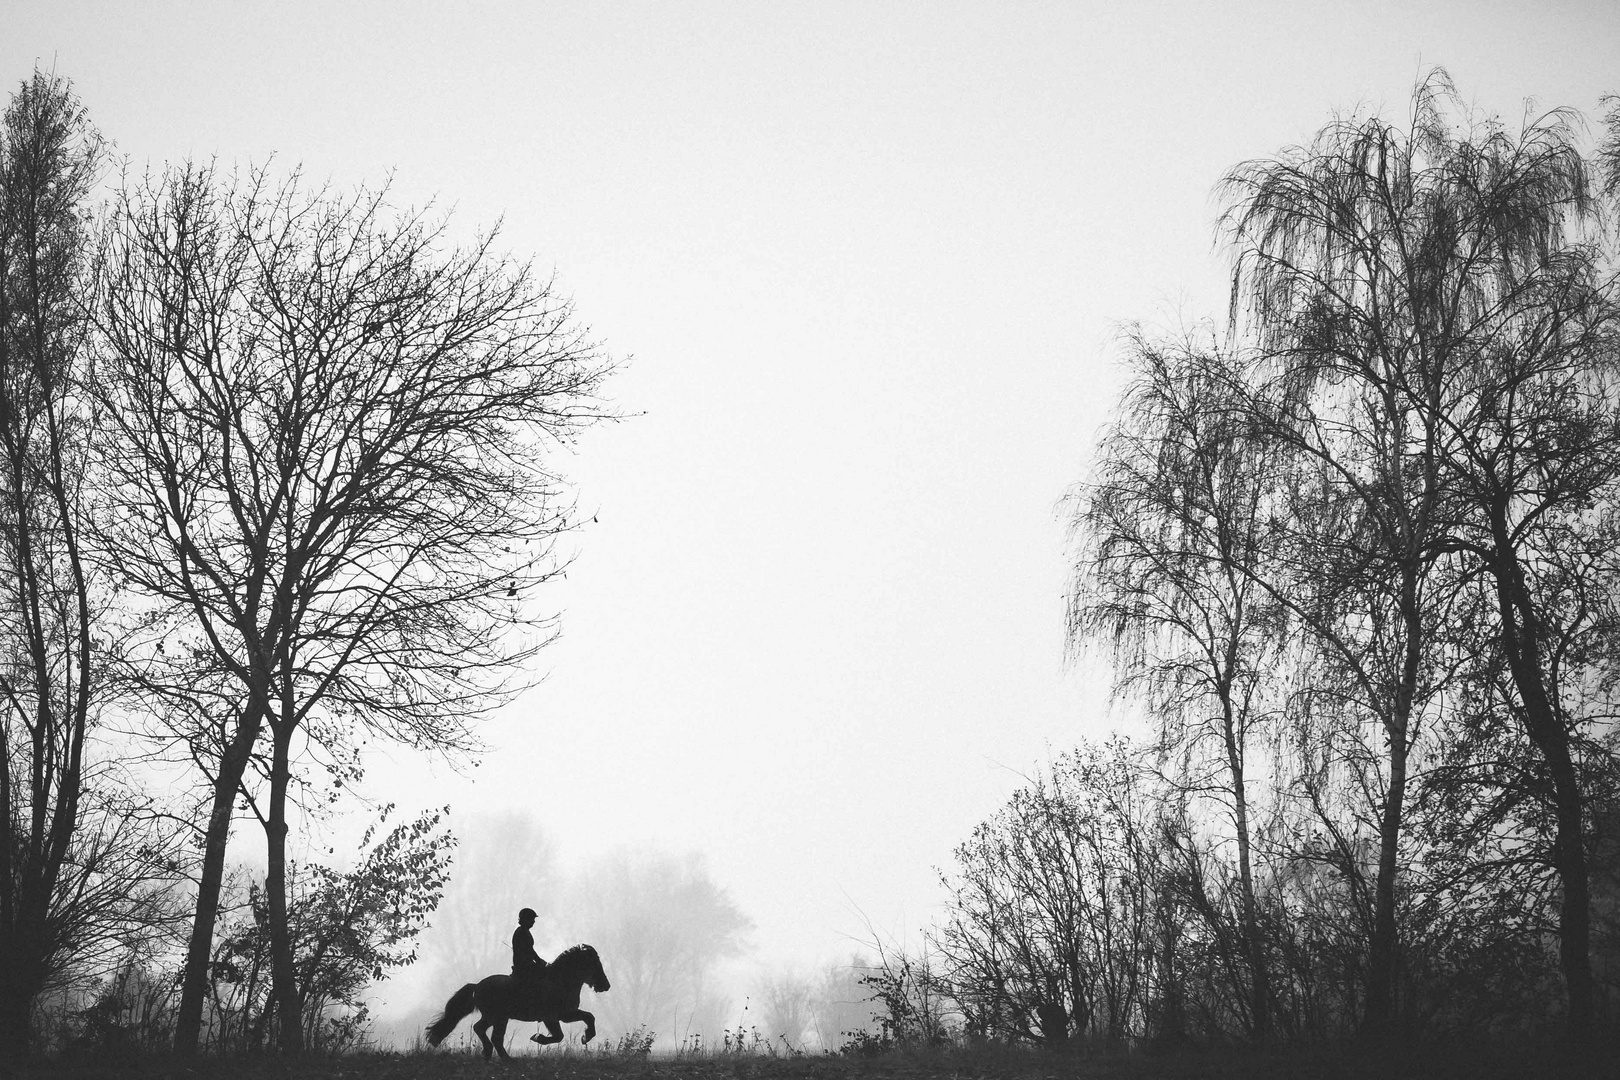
684, 960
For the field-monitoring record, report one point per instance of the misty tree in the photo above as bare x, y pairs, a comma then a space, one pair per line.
1174, 541
79, 862
840, 1005
662, 924
503, 862
1438, 342
784, 1001
328, 440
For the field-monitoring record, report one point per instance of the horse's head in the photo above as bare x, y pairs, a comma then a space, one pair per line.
582, 963
594, 975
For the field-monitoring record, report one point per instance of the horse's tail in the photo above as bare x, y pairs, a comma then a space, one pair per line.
455, 1011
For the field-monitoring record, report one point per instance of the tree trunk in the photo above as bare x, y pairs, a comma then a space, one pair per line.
1383, 966
1254, 941
199, 952
1575, 915
1522, 643
16, 1003
284, 976
1384, 948
21, 979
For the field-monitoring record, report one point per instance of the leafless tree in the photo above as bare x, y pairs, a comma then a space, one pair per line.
1437, 343
1173, 545
840, 1006
1342, 250
72, 850
1533, 461
1052, 928
329, 434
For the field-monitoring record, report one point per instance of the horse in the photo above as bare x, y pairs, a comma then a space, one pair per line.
500, 998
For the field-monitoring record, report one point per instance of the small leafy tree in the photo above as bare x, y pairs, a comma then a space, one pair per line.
350, 928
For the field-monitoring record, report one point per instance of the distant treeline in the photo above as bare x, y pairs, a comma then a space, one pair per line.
1355, 550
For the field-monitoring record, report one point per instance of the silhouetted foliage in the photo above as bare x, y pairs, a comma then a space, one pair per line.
350, 928
276, 478
1053, 924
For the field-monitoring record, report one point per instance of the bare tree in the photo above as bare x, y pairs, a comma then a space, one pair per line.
1052, 927
1428, 321
50, 599
1534, 464
329, 441
1343, 250
1174, 543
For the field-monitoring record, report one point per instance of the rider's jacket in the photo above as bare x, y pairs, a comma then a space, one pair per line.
524, 959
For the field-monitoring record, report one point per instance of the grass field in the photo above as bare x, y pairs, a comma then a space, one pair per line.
1470, 1061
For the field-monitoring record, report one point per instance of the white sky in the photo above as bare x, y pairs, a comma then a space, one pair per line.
868, 261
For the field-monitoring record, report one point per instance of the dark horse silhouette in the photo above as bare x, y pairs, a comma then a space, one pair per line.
500, 998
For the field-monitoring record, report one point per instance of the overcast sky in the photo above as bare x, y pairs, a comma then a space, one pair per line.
865, 265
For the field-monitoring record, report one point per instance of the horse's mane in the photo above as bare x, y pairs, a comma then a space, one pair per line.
573, 952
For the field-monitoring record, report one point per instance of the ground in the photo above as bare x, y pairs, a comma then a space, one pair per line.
1467, 1060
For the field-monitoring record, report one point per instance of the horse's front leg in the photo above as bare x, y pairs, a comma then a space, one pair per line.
579, 1015
554, 1028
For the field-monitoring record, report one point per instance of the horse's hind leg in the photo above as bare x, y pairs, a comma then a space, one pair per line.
481, 1029
500, 1038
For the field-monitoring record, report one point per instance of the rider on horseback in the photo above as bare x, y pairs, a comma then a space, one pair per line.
526, 963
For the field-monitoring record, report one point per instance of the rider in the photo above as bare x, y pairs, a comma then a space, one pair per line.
526, 963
